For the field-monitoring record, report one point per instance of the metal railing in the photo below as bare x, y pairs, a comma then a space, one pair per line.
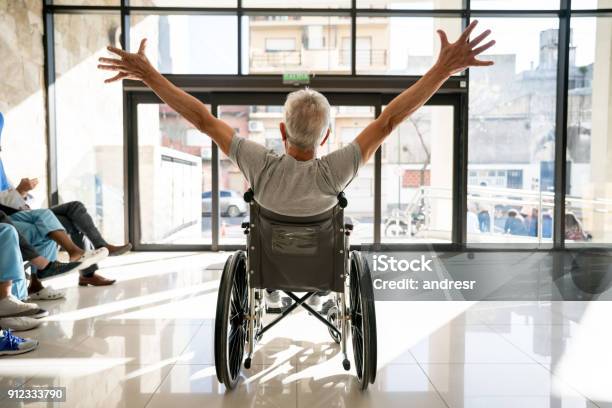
417, 214
276, 59
295, 59
364, 58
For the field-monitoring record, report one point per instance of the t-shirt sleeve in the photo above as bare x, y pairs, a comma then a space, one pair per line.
342, 166
250, 157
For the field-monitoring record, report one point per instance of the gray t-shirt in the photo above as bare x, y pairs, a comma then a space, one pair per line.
290, 187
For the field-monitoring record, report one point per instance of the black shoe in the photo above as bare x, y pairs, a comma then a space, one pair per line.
56, 269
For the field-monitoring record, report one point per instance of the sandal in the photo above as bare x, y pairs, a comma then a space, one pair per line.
47, 293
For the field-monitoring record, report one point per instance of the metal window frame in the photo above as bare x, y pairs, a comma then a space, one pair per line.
371, 86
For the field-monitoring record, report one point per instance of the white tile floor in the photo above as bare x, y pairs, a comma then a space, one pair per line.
147, 341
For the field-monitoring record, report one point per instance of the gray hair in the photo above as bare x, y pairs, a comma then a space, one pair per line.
306, 118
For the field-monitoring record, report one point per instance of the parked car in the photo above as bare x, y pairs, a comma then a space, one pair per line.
231, 203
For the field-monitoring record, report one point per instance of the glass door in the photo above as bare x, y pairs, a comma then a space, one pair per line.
260, 123
417, 178
185, 194
174, 179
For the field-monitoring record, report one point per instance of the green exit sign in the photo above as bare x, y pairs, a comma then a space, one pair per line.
296, 78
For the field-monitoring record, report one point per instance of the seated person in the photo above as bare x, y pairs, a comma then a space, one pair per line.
514, 223
298, 183
73, 216
14, 312
42, 267
43, 231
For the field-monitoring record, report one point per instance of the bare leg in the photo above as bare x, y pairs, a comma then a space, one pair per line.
65, 242
40, 262
35, 285
5, 289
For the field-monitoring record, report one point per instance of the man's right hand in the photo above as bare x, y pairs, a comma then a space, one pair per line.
26, 185
129, 65
137, 66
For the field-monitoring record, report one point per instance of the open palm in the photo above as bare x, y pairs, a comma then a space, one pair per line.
457, 56
128, 65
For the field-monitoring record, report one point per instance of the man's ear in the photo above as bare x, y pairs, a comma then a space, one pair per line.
326, 137
283, 131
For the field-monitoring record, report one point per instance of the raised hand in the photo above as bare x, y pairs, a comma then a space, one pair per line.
128, 65
26, 185
457, 56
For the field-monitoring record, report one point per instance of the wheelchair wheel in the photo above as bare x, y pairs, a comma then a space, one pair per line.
231, 324
363, 320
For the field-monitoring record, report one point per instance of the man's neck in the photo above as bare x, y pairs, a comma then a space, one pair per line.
299, 154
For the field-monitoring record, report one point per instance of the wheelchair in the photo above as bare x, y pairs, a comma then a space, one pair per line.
295, 254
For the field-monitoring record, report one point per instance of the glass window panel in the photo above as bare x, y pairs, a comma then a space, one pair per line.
188, 44
346, 123
175, 182
515, 4
417, 176
184, 3
588, 217
319, 44
591, 4
297, 3
255, 123
89, 120
512, 134
410, 4
261, 124
399, 45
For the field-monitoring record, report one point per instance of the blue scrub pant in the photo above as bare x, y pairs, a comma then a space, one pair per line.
11, 263
35, 226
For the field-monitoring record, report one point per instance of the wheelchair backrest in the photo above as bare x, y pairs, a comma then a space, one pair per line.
296, 253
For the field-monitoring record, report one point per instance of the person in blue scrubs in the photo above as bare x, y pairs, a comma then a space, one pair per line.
11, 264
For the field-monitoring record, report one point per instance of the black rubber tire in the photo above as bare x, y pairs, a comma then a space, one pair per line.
363, 320
230, 323
367, 288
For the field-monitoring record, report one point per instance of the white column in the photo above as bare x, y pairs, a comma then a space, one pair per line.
600, 223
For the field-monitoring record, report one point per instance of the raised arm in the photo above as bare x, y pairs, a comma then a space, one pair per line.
453, 58
137, 66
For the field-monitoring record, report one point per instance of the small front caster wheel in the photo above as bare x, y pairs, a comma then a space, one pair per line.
247, 363
346, 364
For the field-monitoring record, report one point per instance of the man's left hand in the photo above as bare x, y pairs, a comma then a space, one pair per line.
26, 185
457, 56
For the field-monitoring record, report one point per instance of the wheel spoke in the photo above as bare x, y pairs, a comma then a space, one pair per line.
232, 336
359, 331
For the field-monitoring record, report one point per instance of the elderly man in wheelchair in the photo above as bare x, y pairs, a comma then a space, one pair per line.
297, 238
